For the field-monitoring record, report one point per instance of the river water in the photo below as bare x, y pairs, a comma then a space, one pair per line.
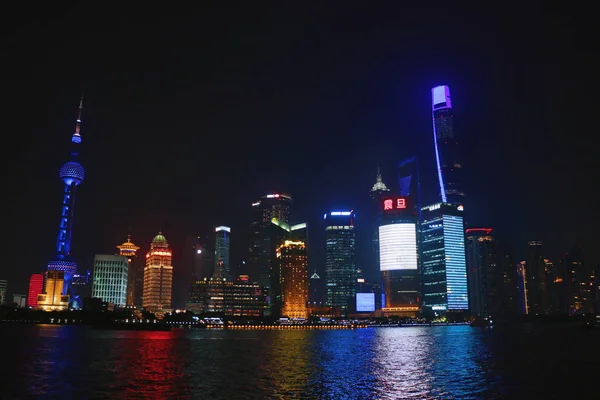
446, 362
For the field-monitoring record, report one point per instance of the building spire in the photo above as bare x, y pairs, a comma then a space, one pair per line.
379, 185
76, 136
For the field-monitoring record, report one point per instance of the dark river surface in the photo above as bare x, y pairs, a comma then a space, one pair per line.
446, 362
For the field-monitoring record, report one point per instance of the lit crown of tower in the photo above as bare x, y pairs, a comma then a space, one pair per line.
159, 246
379, 185
128, 248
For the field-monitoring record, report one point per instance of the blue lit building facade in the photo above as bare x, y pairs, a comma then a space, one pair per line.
222, 268
447, 149
444, 268
72, 175
340, 259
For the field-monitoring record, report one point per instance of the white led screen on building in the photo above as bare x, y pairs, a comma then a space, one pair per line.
365, 302
398, 247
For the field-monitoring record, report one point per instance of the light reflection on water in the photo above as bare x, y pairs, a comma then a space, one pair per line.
454, 362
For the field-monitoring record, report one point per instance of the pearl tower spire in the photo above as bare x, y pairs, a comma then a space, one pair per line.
76, 136
72, 175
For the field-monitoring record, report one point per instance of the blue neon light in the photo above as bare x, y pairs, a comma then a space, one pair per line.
439, 167
456, 265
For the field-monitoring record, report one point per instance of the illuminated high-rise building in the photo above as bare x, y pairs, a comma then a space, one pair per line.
262, 247
399, 263
135, 279
443, 261
447, 149
72, 174
53, 298
378, 191
222, 268
3, 291
158, 276
36, 286
293, 262
340, 259
279, 233
111, 276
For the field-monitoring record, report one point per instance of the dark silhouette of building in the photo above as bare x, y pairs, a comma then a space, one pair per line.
490, 274
537, 279
197, 264
262, 245
579, 289
378, 191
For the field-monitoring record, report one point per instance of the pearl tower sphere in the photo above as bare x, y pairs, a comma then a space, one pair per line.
71, 173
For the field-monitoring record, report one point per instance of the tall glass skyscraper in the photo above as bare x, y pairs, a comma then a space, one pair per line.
447, 149
340, 259
222, 265
111, 275
444, 275
293, 265
279, 233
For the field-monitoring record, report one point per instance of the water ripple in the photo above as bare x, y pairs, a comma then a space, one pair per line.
453, 362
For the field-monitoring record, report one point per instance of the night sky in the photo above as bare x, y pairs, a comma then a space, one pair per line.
190, 118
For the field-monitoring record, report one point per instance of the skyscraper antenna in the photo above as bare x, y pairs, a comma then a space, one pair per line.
77, 136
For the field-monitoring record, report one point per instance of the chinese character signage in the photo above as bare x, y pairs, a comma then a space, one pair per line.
396, 205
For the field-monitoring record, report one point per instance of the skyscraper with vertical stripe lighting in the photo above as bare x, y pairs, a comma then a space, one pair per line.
442, 247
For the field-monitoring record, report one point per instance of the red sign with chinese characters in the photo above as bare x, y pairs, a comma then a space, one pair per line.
397, 204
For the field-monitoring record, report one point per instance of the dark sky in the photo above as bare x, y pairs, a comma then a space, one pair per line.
189, 118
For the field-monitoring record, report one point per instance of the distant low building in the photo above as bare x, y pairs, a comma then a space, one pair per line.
20, 300
3, 289
241, 298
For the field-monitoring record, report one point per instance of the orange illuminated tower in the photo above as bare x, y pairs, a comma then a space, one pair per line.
135, 278
158, 276
293, 263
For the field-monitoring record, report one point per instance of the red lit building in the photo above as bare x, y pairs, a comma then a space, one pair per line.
36, 286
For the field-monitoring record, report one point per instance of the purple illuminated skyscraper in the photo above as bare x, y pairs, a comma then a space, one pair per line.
446, 146
72, 174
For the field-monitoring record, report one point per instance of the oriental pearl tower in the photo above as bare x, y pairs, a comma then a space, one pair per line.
72, 174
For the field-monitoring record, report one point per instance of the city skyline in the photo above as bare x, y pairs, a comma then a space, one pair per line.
387, 116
